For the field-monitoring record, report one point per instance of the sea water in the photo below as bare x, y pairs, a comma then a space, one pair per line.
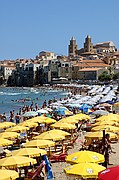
12, 98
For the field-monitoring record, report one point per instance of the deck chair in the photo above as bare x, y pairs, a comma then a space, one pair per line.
37, 172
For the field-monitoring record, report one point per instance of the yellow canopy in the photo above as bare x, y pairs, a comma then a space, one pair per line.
106, 123
84, 170
99, 134
61, 125
70, 121
30, 152
6, 125
106, 127
85, 156
5, 142
28, 124
50, 136
17, 129
81, 116
109, 117
59, 132
8, 174
37, 119
49, 121
39, 143
16, 161
8, 135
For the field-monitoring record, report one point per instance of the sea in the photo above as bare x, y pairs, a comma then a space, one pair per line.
12, 98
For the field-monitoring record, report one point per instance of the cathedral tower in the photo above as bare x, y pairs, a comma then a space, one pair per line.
73, 47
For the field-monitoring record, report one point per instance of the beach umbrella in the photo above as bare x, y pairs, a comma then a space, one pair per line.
30, 114
70, 121
60, 132
8, 174
6, 125
16, 161
49, 135
49, 121
104, 122
28, 124
30, 152
99, 134
85, 107
111, 173
39, 143
84, 170
5, 142
17, 129
100, 112
37, 119
106, 127
42, 111
109, 117
81, 116
85, 156
8, 135
61, 125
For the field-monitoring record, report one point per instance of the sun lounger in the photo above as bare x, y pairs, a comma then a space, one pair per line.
37, 172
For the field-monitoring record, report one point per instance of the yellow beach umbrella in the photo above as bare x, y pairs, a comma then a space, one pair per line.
70, 121
106, 123
106, 127
6, 125
36, 119
50, 136
28, 124
39, 143
61, 125
99, 134
17, 129
49, 121
81, 116
16, 161
9, 135
85, 156
8, 174
109, 117
84, 170
30, 152
5, 142
60, 132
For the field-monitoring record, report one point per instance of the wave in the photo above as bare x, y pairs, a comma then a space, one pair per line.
10, 94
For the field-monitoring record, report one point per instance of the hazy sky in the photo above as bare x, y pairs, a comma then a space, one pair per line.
30, 26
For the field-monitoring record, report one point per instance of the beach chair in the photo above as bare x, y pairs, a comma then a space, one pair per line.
37, 173
58, 157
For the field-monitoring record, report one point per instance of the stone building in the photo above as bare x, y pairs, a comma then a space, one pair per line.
73, 47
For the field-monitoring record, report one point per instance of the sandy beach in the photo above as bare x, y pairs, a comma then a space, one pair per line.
57, 168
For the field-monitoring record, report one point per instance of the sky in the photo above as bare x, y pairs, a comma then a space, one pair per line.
28, 27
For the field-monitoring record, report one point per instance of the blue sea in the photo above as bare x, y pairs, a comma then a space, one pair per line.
11, 97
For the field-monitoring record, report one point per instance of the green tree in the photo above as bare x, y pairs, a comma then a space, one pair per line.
115, 76
104, 76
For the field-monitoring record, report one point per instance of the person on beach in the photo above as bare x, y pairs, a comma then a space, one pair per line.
17, 118
4, 118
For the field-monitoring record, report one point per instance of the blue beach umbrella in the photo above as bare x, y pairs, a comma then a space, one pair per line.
85, 107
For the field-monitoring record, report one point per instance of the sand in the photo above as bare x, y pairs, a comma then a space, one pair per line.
57, 168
